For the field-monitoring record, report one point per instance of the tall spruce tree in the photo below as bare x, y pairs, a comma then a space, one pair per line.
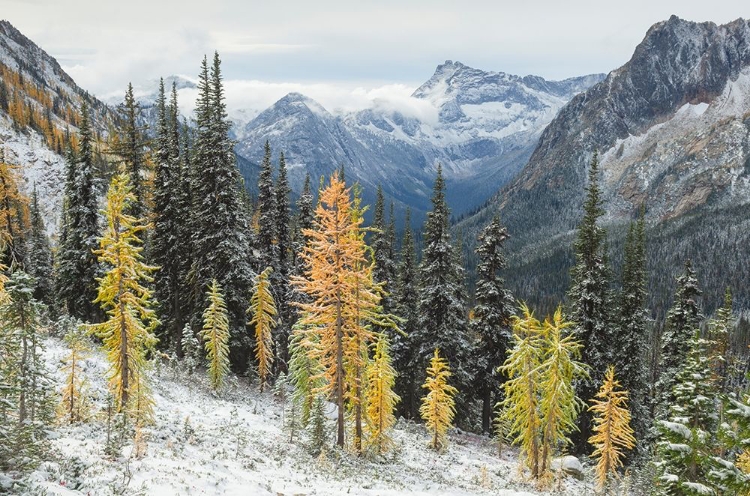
130, 147
631, 338
219, 239
267, 211
282, 287
78, 267
492, 324
384, 271
164, 237
39, 264
442, 313
303, 221
406, 302
682, 320
588, 298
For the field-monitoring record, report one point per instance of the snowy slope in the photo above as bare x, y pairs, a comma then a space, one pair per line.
234, 444
38, 166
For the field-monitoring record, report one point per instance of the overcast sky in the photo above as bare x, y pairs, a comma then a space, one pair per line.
343, 53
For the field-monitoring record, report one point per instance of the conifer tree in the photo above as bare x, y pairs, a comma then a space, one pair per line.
342, 298
219, 224
385, 270
686, 459
12, 210
77, 265
39, 257
263, 311
492, 317
304, 371
612, 432
558, 406
406, 302
381, 400
130, 147
631, 337
719, 330
540, 404
438, 406
283, 291
442, 314
589, 296
305, 217
170, 212
681, 322
26, 401
127, 334
215, 335
73, 404
267, 212
191, 349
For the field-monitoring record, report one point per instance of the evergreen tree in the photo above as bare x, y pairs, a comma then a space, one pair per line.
215, 335
681, 322
305, 216
381, 400
267, 212
492, 318
263, 311
442, 314
589, 297
631, 338
170, 221
686, 459
438, 406
719, 330
406, 302
40, 255
612, 432
77, 265
219, 225
191, 349
285, 250
130, 147
385, 270
127, 334
26, 390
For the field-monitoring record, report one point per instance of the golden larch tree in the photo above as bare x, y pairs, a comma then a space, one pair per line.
438, 406
612, 432
72, 406
215, 334
263, 311
342, 299
127, 334
521, 403
559, 406
381, 400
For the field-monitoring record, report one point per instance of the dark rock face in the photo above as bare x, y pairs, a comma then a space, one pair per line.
669, 128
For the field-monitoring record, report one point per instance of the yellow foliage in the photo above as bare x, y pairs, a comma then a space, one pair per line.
127, 334
612, 432
343, 298
438, 406
216, 336
381, 400
263, 309
73, 406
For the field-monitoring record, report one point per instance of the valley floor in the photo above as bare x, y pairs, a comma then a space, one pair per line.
234, 444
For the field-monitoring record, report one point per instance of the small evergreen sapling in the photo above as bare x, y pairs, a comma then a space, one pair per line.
438, 406
191, 349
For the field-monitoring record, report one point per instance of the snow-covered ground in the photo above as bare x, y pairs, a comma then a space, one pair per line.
234, 444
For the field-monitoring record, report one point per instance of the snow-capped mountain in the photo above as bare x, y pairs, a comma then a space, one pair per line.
672, 127
481, 126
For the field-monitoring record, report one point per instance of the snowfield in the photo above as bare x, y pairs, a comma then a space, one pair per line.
234, 443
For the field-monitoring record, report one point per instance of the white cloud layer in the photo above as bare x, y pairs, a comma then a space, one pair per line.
335, 43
